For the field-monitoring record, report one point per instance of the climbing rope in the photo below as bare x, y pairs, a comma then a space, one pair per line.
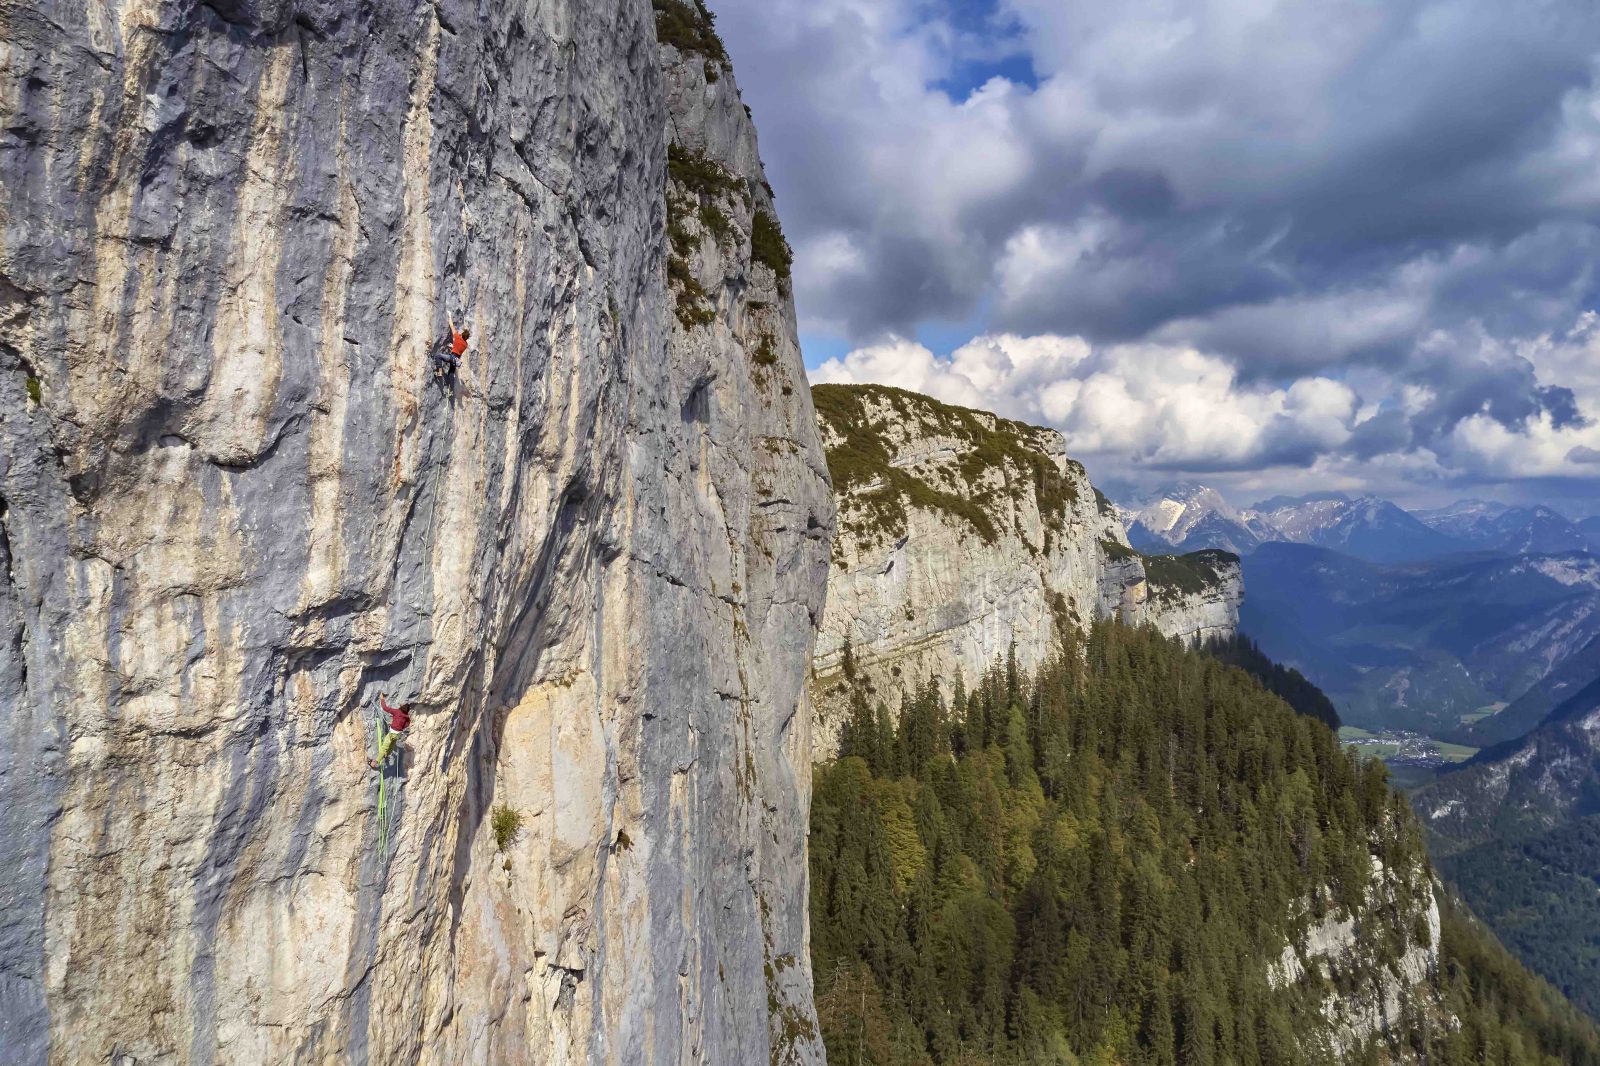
383, 774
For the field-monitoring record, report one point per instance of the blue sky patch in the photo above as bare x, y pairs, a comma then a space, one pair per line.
987, 44
970, 77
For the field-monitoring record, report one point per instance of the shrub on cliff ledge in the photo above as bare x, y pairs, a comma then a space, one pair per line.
690, 27
692, 303
699, 175
506, 823
695, 187
1116, 552
768, 246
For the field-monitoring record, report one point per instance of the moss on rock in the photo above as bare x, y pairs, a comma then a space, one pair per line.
1003, 463
690, 27
1172, 576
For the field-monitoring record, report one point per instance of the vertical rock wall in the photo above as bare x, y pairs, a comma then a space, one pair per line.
964, 536
235, 506
1371, 968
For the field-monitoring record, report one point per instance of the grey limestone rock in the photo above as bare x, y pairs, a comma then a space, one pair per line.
236, 505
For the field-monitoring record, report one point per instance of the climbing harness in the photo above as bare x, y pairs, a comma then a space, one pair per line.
445, 365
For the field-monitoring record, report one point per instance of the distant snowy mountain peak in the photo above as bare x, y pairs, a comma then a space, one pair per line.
1182, 508
1514, 530
1459, 518
1189, 517
1279, 503
1305, 520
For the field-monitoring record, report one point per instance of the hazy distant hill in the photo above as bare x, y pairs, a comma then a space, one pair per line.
1367, 527
1515, 530
1427, 646
1524, 787
1531, 708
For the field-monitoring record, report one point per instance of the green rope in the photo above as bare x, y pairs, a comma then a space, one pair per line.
383, 824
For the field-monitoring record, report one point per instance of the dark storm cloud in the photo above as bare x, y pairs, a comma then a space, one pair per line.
1561, 404
1140, 274
1466, 383
1134, 193
1230, 161
1534, 281
1385, 433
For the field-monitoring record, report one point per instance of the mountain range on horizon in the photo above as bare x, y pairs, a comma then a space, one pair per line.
1190, 517
1467, 623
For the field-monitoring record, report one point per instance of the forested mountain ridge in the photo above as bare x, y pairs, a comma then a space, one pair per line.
1517, 830
1287, 683
964, 536
1141, 856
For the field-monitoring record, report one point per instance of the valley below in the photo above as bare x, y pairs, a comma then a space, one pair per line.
989, 797
1412, 758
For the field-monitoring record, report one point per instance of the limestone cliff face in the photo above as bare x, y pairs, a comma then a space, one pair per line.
962, 535
237, 506
1365, 969
1192, 597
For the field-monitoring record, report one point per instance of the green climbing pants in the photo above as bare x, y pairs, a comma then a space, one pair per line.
386, 745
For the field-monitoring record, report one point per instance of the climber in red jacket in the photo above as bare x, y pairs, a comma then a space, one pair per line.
399, 719
450, 360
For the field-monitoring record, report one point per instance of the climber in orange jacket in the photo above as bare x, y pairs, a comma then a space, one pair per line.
399, 719
450, 360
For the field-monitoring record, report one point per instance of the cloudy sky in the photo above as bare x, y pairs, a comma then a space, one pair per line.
1303, 244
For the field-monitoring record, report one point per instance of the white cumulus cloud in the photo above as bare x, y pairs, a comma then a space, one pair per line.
1158, 405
